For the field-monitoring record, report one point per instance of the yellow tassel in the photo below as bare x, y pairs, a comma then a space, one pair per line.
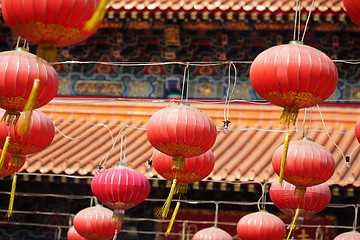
4, 151
284, 156
289, 115
172, 220
10, 118
293, 223
12, 197
47, 51
118, 216
299, 192
163, 212
26, 118
178, 163
97, 16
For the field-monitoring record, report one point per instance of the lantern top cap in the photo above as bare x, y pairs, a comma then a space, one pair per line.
22, 49
122, 164
296, 42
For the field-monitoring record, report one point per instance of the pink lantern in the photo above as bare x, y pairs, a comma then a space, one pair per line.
94, 223
212, 233
307, 164
120, 188
74, 235
353, 235
316, 198
261, 226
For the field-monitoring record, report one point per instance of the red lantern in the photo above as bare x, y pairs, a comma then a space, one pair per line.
212, 233
74, 235
357, 130
293, 76
181, 132
12, 164
261, 226
51, 23
120, 188
316, 198
353, 235
353, 10
41, 134
307, 164
25, 77
94, 223
195, 169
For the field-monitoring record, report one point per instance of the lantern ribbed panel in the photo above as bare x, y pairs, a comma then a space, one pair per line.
120, 187
41, 134
293, 75
307, 164
212, 233
261, 226
74, 235
181, 131
94, 223
316, 198
12, 164
348, 236
58, 22
195, 168
18, 70
353, 10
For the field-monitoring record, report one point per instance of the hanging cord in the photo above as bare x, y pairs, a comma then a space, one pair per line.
262, 199
216, 214
187, 85
296, 19
122, 143
307, 20
322, 119
310, 122
299, 20
228, 98
186, 69
356, 216
58, 230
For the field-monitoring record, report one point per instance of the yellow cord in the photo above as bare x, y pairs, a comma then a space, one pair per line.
293, 222
284, 156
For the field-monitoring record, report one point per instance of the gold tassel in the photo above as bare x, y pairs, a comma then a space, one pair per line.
4, 151
289, 115
10, 118
97, 16
163, 212
47, 51
30, 104
118, 216
284, 156
178, 163
299, 192
293, 223
172, 220
12, 197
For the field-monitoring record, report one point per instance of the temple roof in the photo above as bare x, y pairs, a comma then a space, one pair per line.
331, 6
241, 155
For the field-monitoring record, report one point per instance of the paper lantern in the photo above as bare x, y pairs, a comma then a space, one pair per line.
120, 188
316, 198
353, 10
293, 76
181, 132
353, 235
357, 130
94, 223
12, 164
195, 169
212, 233
41, 134
72, 234
26, 83
261, 226
51, 23
307, 164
